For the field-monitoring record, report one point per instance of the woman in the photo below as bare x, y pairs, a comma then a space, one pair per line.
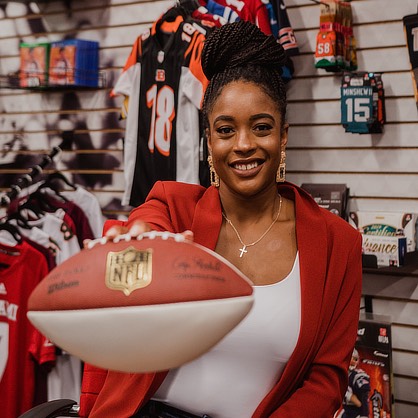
290, 355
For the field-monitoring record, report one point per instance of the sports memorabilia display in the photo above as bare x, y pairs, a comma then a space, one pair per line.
333, 197
34, 59
362, 102
74, 62
386, 235
370, 379
335, 42
163, 84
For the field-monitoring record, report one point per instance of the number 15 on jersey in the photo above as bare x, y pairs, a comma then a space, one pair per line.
357, 109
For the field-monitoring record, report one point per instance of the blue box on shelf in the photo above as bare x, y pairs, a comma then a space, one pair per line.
74, 62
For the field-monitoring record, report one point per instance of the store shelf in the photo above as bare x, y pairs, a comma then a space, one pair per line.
410, 267
40, 83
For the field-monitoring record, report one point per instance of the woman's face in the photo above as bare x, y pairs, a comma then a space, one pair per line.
245, 138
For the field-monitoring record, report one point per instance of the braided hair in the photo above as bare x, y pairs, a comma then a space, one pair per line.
241, 51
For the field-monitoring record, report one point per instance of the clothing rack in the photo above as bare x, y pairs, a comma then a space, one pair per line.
27, 179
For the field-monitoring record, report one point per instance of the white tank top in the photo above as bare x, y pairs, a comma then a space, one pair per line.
232, 378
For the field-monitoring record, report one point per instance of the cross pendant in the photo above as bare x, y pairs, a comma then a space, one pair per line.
242, 250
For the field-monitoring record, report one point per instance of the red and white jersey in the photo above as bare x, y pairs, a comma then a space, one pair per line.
21, 269
254, 11
165, 84
90, 205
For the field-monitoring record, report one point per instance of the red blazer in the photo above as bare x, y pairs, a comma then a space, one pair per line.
315, 378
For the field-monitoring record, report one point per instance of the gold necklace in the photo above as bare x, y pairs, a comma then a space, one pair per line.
245, 246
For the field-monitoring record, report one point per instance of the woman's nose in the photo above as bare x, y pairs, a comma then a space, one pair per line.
244, 141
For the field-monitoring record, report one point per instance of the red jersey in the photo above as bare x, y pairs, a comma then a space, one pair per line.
254, 11
21, 269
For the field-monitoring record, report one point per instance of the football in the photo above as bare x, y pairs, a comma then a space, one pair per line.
139, 305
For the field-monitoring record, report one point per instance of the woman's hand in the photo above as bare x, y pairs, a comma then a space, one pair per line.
134, 230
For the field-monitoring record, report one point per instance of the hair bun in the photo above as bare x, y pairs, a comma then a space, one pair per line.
239, 44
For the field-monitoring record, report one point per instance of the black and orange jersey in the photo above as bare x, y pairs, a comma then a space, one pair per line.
165, 84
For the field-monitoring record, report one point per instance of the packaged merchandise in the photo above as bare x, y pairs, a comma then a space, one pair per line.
74, 62
389, 224
34, 58
335, 42
370, 380
333, 197
389, 251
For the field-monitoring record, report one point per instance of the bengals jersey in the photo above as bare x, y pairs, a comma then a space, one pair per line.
164, 82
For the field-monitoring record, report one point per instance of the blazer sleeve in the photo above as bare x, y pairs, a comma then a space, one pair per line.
162, 211
170, 206
326, 381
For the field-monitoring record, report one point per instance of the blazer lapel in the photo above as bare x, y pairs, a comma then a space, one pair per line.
207, 220
311, 234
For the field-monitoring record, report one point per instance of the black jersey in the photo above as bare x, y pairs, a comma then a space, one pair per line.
165, 84
411, 33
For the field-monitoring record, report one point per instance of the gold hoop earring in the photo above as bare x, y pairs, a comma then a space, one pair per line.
281, 172
214, 178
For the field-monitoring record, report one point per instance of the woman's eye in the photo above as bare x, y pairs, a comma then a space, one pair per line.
224, 130
263, 127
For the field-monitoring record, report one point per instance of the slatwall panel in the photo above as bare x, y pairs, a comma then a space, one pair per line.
32, 122
380, 169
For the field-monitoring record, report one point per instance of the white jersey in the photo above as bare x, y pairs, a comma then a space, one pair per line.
90, 205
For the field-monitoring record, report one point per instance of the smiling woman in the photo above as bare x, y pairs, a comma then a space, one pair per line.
246, 138
289, 357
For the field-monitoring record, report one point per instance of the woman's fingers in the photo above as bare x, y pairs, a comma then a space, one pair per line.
134, 230
138, 228
188, 235
115, 230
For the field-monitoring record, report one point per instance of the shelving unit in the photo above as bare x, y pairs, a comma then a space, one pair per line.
13, 81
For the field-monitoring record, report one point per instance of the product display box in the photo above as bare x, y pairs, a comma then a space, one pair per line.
370, 374
34, 58
390, 224
389, 251
74, 62
333, 197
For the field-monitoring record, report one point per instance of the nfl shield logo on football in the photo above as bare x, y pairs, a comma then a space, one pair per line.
160, 75
129, 269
